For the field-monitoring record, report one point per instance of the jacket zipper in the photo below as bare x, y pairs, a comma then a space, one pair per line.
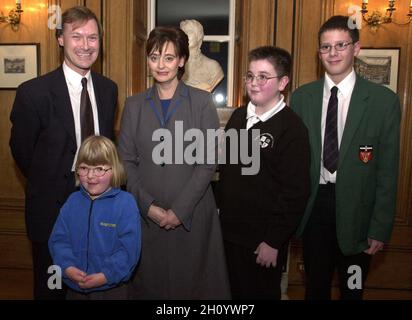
88, 235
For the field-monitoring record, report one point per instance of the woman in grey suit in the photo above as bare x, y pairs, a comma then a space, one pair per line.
182, 249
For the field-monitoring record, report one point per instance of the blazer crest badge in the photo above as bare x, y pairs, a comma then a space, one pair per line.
365, 153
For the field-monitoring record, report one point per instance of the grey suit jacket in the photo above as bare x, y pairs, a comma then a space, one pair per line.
172, 185
187, 262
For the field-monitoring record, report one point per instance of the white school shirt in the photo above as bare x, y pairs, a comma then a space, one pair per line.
74, 85
253, 118
345, 89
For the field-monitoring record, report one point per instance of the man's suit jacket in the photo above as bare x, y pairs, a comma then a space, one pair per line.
365, 190
43, 143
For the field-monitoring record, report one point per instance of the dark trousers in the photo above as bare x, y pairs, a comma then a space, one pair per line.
249, 280
116, 293
322, 255
41, 262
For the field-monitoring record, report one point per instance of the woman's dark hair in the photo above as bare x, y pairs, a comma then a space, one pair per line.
159, 36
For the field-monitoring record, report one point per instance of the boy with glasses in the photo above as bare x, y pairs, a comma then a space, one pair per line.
354, 135
260, 212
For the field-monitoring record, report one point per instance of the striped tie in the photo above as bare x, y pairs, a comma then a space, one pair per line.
330, 144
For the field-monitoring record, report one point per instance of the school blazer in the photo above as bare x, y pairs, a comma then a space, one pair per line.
43, 143
367, 174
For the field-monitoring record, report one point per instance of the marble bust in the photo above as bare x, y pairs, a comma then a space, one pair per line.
200, 71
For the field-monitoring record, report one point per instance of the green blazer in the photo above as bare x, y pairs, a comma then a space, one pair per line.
365, 190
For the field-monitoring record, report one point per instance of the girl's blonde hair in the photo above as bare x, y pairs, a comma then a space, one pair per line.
99, 150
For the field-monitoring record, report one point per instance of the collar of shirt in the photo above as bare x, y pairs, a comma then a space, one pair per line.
345, 87
252, 118
74, 79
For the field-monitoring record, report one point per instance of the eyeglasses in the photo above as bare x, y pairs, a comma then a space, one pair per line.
261, 79
83, 171
340, 46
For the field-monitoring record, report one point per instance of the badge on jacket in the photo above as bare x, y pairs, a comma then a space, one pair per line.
365, 153
266, 140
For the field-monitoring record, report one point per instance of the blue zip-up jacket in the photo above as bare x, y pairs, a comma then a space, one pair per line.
100, 235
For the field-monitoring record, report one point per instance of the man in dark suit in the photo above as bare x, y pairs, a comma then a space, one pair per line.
47, 130
354, 135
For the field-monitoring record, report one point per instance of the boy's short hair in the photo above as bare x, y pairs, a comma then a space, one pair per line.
99, 150
278, 57
342, 23
78, 15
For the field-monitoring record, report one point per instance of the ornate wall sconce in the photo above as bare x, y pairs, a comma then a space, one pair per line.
14, 16
375, 19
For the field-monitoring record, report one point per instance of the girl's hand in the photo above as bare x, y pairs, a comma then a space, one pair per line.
93, 281
75, 274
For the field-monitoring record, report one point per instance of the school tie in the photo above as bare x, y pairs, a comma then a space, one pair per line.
86, 113
330, 143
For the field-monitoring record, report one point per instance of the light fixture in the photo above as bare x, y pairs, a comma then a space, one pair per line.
14, 16
375, 19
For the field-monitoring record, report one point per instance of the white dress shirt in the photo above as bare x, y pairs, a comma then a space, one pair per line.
345, 89
253, 118
74, 85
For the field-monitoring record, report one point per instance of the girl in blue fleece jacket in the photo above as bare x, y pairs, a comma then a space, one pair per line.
96, 239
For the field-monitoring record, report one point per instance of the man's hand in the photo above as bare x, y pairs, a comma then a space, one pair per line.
266, 255
374, 246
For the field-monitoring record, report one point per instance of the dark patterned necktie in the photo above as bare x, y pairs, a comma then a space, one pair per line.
86, 113
330, 143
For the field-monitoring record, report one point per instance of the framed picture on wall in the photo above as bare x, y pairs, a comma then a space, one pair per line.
19, 62
379, 65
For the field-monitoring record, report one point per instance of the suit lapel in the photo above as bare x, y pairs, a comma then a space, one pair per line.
153, 100
315, 103
152, 96
61, 102
356, 110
